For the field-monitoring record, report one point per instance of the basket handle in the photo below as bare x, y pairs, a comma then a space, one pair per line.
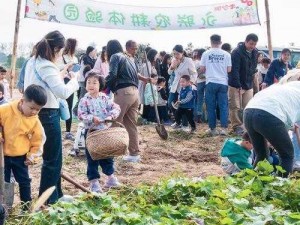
114, 121
106, 121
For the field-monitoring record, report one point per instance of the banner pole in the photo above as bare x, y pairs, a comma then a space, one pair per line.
270, 47
15, 47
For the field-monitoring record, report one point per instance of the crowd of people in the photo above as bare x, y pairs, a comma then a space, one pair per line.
206, 85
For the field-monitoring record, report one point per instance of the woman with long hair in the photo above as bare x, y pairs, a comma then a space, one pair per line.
102, 65
41, 69
123, 81
180, 65
68, 57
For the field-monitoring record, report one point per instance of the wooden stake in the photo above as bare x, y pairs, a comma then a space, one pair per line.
15, 47
270, 47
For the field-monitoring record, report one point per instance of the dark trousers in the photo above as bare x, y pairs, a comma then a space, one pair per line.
82, 92
17, 165
70, 105
163, 113
262, 127
189, 113
52, 155
173, 97
146, 109
107, 165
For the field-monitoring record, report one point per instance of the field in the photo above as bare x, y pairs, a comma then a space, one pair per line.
184, 154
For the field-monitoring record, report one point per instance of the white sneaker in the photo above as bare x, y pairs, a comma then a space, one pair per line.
132, 158
66, 198
213, 132
186, 129
95, 186
223, 132
175, 126
73, 152
111, 182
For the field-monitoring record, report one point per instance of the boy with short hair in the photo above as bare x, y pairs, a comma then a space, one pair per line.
5, 82
23, 136
236, 154
186, 103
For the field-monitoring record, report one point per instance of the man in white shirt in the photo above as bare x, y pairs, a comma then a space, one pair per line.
216, 64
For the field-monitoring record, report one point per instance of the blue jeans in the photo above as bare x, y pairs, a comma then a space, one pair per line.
52, 155
200, 98
17, 165
296, 147
107, 165
217, 94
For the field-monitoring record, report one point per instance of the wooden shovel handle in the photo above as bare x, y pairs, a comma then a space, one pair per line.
69, 179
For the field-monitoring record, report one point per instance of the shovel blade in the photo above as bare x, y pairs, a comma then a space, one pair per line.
162, 132
9, 193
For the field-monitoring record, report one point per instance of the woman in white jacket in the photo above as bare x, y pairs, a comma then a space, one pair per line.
42, 70
180, 65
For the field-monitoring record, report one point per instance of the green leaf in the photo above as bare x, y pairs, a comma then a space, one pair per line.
226, 221
244, 193
295, 216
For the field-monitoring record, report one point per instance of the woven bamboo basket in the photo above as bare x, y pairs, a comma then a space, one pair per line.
112, 142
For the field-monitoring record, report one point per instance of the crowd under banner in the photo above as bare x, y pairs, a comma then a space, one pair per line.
117, 16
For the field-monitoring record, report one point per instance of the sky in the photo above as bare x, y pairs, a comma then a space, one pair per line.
283, 15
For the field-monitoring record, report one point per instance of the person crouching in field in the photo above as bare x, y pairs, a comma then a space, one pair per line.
23, 137
237, 154
94, 109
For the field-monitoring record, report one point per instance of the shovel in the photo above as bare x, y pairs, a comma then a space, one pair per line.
72, 181
6, 189
241, 110
160, 128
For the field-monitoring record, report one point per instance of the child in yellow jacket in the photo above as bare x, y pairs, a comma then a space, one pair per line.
23, 136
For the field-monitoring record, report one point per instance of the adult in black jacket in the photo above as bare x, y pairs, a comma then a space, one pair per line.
123, 81
164, 67
244, 63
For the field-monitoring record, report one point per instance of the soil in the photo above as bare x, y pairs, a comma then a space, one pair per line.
182, 154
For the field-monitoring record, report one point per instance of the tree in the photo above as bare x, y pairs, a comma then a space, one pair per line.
140, 53
189, 49
20, 62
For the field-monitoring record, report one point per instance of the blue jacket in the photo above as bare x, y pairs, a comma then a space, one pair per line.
20, 84
243, 68
277, 70
187, 98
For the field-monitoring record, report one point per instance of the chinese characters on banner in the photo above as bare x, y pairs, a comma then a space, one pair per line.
114, 16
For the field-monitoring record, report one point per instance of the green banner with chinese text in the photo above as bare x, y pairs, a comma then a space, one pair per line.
115, 16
